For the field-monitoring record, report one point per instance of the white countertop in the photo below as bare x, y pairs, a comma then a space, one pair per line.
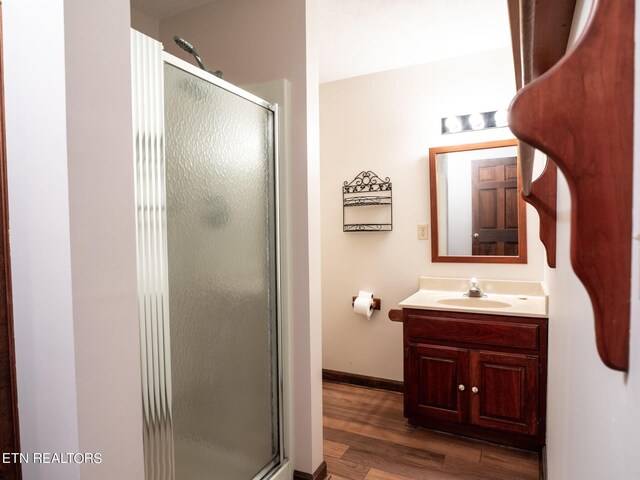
504, 297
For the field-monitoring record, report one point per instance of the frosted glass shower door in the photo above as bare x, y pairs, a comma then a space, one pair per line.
221, 242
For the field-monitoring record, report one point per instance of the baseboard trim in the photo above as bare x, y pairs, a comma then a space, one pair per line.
319, 474
363, 380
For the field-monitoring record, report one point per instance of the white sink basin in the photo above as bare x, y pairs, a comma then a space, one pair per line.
470, 302
504, 297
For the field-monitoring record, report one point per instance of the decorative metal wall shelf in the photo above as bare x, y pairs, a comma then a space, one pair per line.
370, 191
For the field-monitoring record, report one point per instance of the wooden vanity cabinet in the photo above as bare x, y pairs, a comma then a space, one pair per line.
478, 375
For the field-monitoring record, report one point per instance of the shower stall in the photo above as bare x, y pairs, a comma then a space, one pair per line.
208, 272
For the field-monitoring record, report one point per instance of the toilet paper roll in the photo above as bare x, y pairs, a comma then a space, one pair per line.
362, 293
363, 305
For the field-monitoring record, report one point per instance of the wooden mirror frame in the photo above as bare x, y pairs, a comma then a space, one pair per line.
522, 216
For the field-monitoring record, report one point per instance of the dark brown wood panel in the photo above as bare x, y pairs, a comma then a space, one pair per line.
435, 373
511, 208
592, 144
9, 431
494, 211
487, 209
477, 331
502, 395
507, 391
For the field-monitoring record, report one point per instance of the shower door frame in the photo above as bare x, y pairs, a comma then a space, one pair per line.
271, 471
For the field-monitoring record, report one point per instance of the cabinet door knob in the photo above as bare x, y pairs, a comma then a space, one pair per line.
474, 389
461, 387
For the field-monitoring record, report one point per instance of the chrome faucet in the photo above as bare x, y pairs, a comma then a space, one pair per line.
474, 289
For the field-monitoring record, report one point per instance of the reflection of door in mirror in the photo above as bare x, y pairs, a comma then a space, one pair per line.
494, 200
477, 215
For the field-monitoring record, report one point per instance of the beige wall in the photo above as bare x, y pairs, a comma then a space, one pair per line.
145, 24
593, 411
253, 42
387, 122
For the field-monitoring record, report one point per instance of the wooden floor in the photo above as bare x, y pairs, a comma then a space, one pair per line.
366, 437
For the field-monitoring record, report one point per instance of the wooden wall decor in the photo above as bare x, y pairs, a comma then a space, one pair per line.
550, 22
543, 196
580, 113
514, 26
9, 429
544, 28
539, 36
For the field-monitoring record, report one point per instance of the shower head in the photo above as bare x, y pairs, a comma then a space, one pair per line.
183, 44
189, 48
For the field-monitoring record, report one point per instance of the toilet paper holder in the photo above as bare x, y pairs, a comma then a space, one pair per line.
375, 304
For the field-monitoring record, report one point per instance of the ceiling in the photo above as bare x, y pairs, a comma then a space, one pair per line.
358, 37
160, 9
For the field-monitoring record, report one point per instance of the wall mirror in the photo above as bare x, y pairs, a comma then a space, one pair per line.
477, 214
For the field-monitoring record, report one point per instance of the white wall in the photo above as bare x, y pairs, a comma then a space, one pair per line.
253, 42
40, 250
458, 220
593, 411
69, 149
387, 122
103, 235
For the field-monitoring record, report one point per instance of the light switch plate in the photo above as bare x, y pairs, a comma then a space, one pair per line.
423, 231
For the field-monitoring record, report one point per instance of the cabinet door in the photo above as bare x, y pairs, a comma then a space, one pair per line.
435, 382
504, 391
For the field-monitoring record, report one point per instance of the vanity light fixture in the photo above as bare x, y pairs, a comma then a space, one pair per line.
474, 121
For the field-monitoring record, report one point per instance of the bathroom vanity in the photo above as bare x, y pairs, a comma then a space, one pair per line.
477, 366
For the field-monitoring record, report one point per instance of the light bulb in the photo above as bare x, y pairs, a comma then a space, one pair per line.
453, 124
500, 117
476, 120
